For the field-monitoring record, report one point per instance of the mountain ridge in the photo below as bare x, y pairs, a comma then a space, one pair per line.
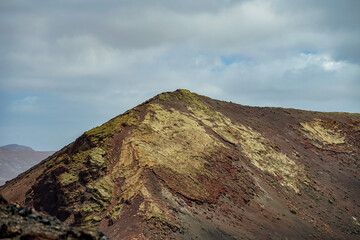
182, 165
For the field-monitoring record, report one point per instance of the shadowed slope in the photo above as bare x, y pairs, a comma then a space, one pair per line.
181, 166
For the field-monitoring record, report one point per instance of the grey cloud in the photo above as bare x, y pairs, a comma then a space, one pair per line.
91, 60
254, 28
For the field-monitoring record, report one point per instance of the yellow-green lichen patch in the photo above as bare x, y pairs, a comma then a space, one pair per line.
259, 151
323, 132
115, 212
256, 147
68, 178
102, 191
93, 156
171, 143
185, 96
149, 207
131, 173
55, 160
228, 134
355, 221
89, 208
176, 146
153, 209
174, 141
96, 157
108, 129
206, 116
91, 212
91, 220
78, 160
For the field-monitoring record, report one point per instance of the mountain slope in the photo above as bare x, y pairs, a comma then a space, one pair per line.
15, 159
184, 166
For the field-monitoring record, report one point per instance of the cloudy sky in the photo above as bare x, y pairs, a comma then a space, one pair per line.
67, 66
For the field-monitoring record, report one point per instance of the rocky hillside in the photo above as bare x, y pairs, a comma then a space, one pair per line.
15, 159
184, 166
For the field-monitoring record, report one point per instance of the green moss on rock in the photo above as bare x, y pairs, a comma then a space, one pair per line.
102, 191
91, 220
89, 208
115, 212
101, 133
96, 157
183, 95
56, 160
68, 178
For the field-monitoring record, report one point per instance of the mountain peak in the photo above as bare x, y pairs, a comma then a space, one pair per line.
179, 95
17, 147
185, 166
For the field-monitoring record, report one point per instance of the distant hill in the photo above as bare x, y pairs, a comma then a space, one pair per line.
184, 166
17, 147
15, 159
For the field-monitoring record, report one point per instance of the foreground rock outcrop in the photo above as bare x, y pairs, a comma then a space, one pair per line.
184, 166
27, 224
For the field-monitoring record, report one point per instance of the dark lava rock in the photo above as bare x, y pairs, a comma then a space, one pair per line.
2, 200
27, 224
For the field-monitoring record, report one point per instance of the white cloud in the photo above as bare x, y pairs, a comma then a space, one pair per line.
25, 105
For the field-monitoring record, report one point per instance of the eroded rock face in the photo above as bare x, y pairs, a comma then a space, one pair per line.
184, 166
